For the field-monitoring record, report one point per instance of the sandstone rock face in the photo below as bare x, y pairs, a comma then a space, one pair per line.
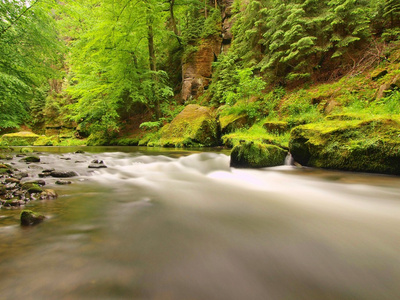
197, 70
257, 155
227, 24
194, 126
352, 145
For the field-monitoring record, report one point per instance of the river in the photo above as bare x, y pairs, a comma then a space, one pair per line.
168, 224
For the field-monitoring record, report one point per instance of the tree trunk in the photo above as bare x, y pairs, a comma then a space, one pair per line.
152, 63
173, 20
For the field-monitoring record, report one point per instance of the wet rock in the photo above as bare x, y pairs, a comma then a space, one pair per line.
79, 152
360, 145
21, 175
11, 203
29, 218
63, 182
97, 164
34, 189
48, 195
63, 174
257, 155
12, 180
31, 159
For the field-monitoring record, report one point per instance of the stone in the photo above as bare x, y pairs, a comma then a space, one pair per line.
48, 195
97, 164
63, 174
371, 145
257, 155
30, 218
31, 159
195, 126
276, 127
63, 182
231, 123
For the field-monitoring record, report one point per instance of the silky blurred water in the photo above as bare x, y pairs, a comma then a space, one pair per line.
171, 224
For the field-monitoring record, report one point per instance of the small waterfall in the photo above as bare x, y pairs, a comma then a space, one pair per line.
289, 161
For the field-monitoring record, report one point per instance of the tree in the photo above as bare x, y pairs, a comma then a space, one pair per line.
29, 49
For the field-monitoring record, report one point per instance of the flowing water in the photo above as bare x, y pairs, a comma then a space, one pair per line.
184, 225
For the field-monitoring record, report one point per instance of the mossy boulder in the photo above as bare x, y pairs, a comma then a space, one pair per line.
31, 159
23, 138
230, 123
257, 155
276, 127
30, 218
357, 145
195, 126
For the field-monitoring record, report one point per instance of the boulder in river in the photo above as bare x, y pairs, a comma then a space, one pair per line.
29, 218
354, 145
31, 159
63, 174
257, 155
97, 164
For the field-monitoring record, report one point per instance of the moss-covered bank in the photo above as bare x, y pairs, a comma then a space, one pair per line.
357, 145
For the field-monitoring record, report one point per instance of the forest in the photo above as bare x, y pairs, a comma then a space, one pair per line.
194, 73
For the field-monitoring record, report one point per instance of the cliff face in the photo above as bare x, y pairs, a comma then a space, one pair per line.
197, 71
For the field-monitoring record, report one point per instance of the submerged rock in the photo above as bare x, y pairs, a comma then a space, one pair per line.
48, 195
257, 155
63, 182
29, 218
356, 145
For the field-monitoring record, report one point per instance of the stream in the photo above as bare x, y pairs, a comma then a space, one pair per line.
175, 224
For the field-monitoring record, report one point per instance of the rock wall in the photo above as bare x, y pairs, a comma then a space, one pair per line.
197, 70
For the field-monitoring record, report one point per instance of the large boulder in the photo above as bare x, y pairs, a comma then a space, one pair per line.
230, 123
257, 155
195, 126
23, 138
353, 145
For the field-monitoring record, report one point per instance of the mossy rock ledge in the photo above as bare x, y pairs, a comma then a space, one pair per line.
23, 138
358, 145
257, 155
195, 126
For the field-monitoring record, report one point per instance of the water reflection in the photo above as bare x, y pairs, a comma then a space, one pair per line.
189, 227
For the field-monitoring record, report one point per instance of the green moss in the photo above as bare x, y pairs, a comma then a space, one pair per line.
256, 155
256, 133
195, 126
24, 138
29, 218
359, 145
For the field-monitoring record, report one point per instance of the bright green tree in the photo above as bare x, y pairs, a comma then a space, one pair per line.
29, 49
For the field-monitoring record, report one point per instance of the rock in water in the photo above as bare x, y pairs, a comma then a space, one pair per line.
48, 195
257, 155
63, 174
30, 218
353, 145
30, 159
97, 164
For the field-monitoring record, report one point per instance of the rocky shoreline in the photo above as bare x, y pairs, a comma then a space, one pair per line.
23, 179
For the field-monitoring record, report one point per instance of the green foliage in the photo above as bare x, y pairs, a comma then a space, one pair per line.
28, 49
